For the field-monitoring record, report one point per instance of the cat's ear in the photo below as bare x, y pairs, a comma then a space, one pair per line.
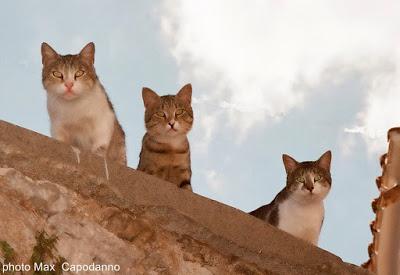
185, 94
150, 98
87, 53
48, 54
290, 163
325, 161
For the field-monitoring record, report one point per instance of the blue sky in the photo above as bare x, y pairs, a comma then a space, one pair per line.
268, 77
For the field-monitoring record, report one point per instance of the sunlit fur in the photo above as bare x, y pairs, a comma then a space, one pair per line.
158, 126
68, 66
298, 209
309, 182
80, 112
165, 147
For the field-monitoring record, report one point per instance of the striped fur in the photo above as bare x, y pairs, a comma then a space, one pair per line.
81, 114
165, 147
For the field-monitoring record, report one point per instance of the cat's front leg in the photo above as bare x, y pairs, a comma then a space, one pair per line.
185, 176
102, 133
310, 235
60, 134
77, 153
102, 151
101, 139
186, 185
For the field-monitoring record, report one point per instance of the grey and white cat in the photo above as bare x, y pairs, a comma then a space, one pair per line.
299, 209
81, 114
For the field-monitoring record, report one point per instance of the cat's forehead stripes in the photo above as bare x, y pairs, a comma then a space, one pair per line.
306, 168
309, 169
68, 59
70, 62
168, 101
171, 103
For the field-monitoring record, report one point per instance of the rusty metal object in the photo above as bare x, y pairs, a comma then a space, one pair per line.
384, 251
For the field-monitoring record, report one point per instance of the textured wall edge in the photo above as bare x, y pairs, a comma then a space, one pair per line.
233, 232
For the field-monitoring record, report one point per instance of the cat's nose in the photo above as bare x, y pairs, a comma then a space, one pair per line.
171, 123
310, 188
69, 85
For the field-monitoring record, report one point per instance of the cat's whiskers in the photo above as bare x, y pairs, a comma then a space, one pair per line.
77, 153
106, 169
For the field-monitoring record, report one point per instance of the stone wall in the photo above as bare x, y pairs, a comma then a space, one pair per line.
136, 221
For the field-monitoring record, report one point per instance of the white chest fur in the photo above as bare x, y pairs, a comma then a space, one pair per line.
302, 220
87, 122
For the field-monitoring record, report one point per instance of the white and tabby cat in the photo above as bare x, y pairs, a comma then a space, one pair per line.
81, 114
299, 209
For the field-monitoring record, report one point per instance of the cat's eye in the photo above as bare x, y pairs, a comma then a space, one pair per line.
301, 180
179, 112
317, 178
79, 73
57, 74
160, 114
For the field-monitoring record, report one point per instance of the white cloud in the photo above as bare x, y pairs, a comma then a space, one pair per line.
207, 123
260, 59
214, 181
382, 110
347, 145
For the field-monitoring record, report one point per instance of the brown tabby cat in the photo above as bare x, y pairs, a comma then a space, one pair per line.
165, 147
298, 209
80, 112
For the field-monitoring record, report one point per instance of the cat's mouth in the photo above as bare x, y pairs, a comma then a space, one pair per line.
69, 94
308, 192
172, 128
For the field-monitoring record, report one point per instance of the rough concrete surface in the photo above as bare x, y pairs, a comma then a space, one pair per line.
143, 224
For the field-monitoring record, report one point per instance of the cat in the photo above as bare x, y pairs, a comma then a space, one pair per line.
80, 111
165, 147
299, 209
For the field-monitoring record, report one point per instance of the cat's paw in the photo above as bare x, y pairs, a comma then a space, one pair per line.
186, 185
77, 153
100, 150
